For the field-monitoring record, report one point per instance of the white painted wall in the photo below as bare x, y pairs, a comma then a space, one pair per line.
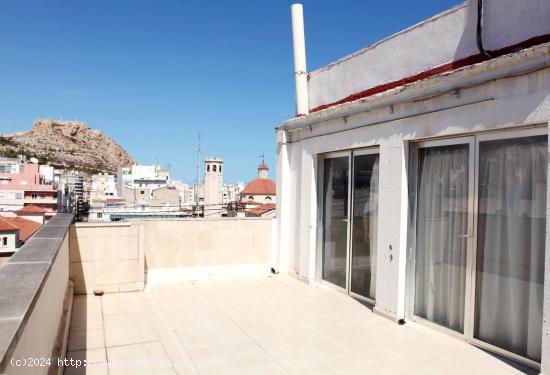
497, 104
12, 242
445, 38
38, 339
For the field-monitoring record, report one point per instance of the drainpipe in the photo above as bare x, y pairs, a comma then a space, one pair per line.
300, 69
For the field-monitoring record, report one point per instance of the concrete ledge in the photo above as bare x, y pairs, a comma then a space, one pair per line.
23, 280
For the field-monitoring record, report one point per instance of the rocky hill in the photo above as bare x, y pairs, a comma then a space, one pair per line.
70, 144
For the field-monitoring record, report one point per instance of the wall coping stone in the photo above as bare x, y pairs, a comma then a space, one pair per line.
22, 279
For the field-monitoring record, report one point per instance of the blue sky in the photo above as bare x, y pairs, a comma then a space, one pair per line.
154, 73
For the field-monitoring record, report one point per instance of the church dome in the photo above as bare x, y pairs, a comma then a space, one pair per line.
260, 186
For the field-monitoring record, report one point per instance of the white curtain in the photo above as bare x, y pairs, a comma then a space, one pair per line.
511, 242
442, 220
365, 225
335, 199
373, 228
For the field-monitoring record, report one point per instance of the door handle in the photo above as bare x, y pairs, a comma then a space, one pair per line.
345, 220
468, 235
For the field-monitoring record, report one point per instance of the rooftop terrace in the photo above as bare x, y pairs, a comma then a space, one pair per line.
197, 297
267, 325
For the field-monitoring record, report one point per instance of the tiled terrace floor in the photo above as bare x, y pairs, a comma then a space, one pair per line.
272, 325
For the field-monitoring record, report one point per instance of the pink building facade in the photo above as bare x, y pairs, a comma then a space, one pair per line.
27, 187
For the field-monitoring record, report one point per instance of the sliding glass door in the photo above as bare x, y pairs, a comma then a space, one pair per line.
350, 221
442, 230
335, 219
510, 244
364, 225
479, 235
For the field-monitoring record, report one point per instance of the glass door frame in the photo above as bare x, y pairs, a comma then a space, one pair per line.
474, 141
413, 194
350, 154
320, 210
494, 136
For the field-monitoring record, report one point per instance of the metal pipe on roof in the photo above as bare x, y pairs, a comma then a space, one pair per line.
300, 68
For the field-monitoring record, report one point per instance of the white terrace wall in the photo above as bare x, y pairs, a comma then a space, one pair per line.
120, 257
447, 37
106, 257
189, 249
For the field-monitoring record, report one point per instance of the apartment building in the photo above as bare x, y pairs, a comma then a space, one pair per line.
22, 185
142, 176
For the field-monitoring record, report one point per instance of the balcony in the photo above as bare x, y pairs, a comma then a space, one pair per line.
197, 297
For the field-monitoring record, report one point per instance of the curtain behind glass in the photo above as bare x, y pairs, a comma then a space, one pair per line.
442, 217
511, 243
365, 225
335, 219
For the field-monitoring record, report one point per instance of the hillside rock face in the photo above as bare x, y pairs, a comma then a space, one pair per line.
69, 144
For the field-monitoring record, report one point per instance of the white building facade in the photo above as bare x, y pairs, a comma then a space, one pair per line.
142, 176
213, 187
418, 180
231, 192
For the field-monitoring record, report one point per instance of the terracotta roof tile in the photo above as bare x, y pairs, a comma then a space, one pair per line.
31, 210
26, 227
6, 225
260, 186
260, 210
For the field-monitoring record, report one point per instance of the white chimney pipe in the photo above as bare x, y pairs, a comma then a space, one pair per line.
300, 69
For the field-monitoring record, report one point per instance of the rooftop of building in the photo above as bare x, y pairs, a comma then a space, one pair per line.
438, 45
6, 225
260, 186
31, 210
262, 209
26, 227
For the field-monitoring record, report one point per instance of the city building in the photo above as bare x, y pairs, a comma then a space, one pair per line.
260, 190
103, 187
9, 237
26, 226
10, 165
33, 213
142, 176
231, 192
48, 173
213, 181
414, 176
24, 185
139, 191
213, 187
15, 231
103, 197
71, 186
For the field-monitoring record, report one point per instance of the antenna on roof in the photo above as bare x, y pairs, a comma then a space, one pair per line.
198, 160
198, 171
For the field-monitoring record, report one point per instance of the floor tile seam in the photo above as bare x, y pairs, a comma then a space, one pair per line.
246, 333
157, 312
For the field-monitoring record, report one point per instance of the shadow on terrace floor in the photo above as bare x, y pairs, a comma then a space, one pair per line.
270, 325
